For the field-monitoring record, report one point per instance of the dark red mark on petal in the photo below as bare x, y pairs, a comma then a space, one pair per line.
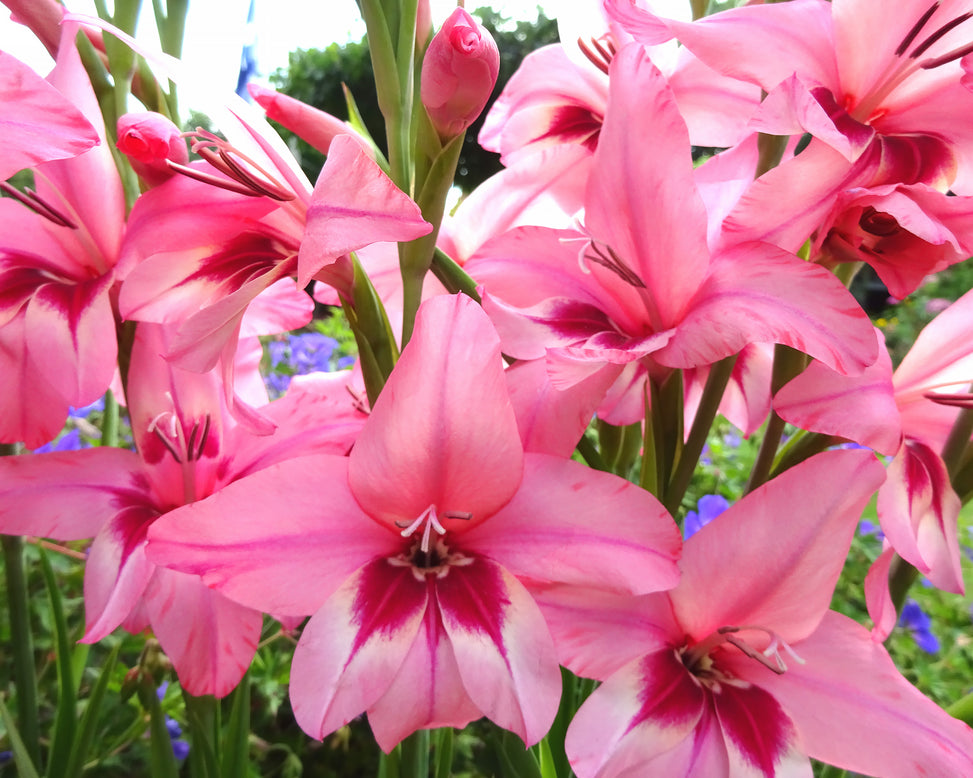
387, 597
574, 124
755, 723
474, 595
669, 694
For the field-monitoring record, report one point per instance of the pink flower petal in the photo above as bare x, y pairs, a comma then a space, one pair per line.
243, 545
877, 597
354, 203
918, 511
555, 530
354, 646
422, 445
853, 709
792, 565
503, 650
210, 639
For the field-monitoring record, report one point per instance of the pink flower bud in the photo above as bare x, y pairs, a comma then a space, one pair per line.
148, 140
458, 73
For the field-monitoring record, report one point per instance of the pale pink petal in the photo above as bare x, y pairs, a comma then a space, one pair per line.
354, 646
791, 565
853, 709
116, 572
502, 646
354, 203
644, 711
71, 336
32, 411
571, 524
877, 597
758, 293
746, 400
422, 446
919, 511
281, 307
427, 692
636, 189
860, 408
287, 562
210, 639
67, 495
38, 124
721, 181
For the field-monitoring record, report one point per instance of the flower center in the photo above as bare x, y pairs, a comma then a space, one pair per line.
599, 51
429, 554
699, 661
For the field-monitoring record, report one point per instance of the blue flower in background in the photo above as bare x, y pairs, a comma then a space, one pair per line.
306, 352
709, 507
69, 441
180, 748
917, 621
866, 527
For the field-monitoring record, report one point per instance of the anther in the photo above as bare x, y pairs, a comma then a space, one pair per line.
613, 262
431, 521
916, 29
924, 46
599, 53
878, 223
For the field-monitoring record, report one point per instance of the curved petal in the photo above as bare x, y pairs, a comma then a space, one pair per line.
69, 495
854, 709
286, 562
354, 203
877, 596
860, 408
443, 432
38, 124
210, 639
792, 566
919, 511
644, 711
571, 524
116, 572
502, 646
757, 293
354, 646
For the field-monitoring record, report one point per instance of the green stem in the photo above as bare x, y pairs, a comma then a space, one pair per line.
24, 669
699, 8
591, 455
452, 276
109, 421
203, 717
415, 755
962, 709
957, 442
803, 445
719, 377
901, 577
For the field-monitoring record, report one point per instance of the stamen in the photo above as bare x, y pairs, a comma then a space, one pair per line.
911, 35
599, 54
964, 400
878, 223
613, 262
935, 62
431, 521
165, 441
764, 657
461, 515
196, 452
924, 46
38, 205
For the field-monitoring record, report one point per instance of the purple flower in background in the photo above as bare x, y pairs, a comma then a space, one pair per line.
709, 507
917, 621
180, 748
866, 527
306, 352
69, 441
83, 413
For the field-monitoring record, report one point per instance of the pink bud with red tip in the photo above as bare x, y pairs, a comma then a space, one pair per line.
458, 73
150, 140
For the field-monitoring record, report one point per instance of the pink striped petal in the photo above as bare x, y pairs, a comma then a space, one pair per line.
919, 511
880, 607
554, 530
210, 639
792, 565
852, 708
354, 203
354, 646
38, 124
285, 562
757, 293
503, 650
68, 495
443, 432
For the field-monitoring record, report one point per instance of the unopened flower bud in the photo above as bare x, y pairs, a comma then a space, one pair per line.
148, 140
458, 73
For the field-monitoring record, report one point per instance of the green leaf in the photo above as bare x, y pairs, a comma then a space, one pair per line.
444, 752
236, 742
162, 760
25, 767
65, 719
516, 761
89, 720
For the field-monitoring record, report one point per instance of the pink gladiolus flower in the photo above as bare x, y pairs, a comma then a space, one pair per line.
187, 448
419, 564
610, 297
150, 140
57, 328
459, 71
742, 670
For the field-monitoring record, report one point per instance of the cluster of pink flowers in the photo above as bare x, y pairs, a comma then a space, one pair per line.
450, 553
